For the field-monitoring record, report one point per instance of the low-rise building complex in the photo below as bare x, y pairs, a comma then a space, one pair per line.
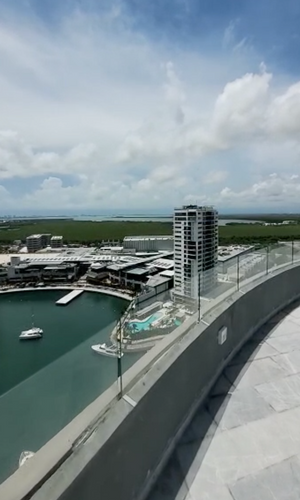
149, 243
34, 243
37, 242
56, 242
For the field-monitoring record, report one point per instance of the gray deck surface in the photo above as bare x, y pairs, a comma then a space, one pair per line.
245, 443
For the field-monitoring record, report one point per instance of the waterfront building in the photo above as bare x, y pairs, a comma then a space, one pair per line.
33, 271
34, 243
56, 242
195, 251
23, 271
45, 239
60, 272
149, 243
96, 273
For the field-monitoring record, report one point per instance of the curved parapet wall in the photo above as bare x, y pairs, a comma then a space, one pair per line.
122, 455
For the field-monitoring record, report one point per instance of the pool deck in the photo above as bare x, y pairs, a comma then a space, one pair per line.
142, 344
159, 315
245, 442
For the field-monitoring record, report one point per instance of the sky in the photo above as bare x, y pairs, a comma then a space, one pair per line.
140, 106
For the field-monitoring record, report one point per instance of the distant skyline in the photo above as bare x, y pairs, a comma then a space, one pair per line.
131, 213
140, 104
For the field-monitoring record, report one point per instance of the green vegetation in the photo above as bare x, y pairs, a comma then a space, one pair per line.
255, 233
93, 232
81, 231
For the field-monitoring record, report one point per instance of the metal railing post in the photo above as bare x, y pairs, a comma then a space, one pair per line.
199, 294
120, 378
238, 272
120, 345
267, 260
293, 252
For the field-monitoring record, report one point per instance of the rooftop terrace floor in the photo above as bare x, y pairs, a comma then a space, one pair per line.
245, 442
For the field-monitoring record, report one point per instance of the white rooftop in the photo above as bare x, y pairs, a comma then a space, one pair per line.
168, 273
121, 262
112, 249
147, 238
156, 280
163, 263
230, 251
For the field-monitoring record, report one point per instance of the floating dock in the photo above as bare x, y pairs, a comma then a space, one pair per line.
70, 296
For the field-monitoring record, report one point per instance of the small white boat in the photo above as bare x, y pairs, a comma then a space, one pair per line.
111, 351
25, 455
32, 333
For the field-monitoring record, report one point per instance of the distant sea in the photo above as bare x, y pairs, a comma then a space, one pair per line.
121, 218
153, 218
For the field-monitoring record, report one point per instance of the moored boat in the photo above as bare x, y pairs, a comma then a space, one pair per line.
25, 455
32, 333
110, 351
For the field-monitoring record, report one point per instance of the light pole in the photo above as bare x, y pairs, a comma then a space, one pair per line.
267, 260
120, 353
199, 297
120, 345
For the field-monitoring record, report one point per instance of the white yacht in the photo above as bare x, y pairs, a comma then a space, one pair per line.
105, 350
32, 333
25, 455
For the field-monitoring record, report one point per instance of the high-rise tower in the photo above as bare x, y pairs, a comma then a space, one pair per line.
195, 251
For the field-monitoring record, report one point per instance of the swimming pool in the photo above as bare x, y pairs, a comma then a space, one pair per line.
144, 325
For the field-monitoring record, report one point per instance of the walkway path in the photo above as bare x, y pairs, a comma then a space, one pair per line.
245, 443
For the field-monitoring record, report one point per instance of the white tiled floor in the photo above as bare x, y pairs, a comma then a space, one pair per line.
245, 445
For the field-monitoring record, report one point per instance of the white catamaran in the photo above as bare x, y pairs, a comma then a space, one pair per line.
33, 333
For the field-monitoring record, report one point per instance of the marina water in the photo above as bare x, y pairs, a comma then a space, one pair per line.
45, 383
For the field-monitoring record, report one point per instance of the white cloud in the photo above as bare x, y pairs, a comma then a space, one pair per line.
195, 199
3, 192
163, 174
274, 190
137, 124
284, 114
241, 108
229, 34
231, 41
18, 158
52, 194
175, 95
215, 177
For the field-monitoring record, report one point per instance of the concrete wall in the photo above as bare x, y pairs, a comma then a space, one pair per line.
123, 456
